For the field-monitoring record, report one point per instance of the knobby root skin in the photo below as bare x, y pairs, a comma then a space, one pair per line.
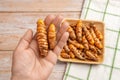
85, 43
79, 31
42, 38
91, 56
88, 35
71, 33
52, 36
72, 55
76, 44
97, 41
65, 55
75, 51
97, 32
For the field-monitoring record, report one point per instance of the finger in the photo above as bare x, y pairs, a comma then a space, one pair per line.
34, 45
48, 20
25, 40
51, 57
57, 21
61, 43
63, 28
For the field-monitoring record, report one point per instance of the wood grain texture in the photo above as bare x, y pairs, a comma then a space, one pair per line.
40, 5
5, 64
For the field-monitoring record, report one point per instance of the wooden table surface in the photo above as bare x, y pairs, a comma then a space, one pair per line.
16, 16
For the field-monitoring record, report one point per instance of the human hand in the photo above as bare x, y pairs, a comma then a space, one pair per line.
27, 64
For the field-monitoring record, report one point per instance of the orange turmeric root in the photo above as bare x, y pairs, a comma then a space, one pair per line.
79, 31
62, 51
52, 36
76, 44
93, 48
42, 38
71, 55
99, 52
71, 33
85, 43
91, 56
66, 48
65, 55
75, 51
88, 35
97, 32
97, 41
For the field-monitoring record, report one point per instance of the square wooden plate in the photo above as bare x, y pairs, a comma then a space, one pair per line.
100, 26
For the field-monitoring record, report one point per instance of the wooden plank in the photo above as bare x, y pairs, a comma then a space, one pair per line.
40, 5
6, 63
14, 25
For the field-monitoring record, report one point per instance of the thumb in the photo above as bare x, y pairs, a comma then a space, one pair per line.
25, 40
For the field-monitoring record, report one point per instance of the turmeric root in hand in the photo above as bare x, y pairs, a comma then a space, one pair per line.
79, 31
88, 35
52, 36
42, 38
71, 33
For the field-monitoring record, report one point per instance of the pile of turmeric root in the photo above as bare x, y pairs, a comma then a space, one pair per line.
84, 42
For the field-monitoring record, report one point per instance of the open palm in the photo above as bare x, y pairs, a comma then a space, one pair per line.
27, 64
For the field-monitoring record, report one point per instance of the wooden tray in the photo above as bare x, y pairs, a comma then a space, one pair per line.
100, 26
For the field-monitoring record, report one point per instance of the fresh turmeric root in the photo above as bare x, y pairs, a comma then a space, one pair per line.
97, 41
66, 48
71, 33
65, 55
62, 51
76, 44
79, 31
42, 38
91, 56
98, 44
71, 55
75, 51
88, 35
85, 43
99, 52
97, 32
93, 48
52, 36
